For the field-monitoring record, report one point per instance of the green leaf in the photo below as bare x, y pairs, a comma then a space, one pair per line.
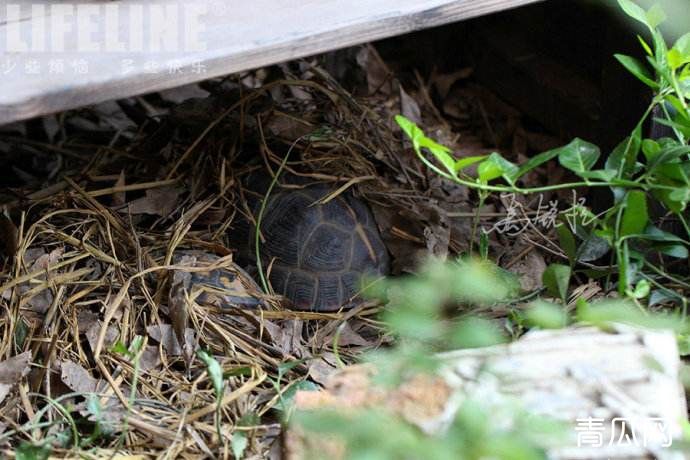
488, 171
682, 128
672, 171
671, 204
556, 278
635, 214
623, 157
642, 289
440, 152
419, 141
660, 296
28, 451
675, 58
215, 372
650, 149
673, 250
681, 195
656, 234
592, 248
496, 166
645, 46
239, 444
669, 154
463, 163
474, 333
655, 16
546, 315
284, 403
683, 44
410, 129
605, 312
484, 245
567, 242
634, 11
121, 349
535, 161
578, 155
601, 174
638, 69
287, 366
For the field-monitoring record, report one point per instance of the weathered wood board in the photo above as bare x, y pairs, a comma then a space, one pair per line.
618, 394
78, 54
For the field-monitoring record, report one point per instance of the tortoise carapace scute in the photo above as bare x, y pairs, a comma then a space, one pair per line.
319, 252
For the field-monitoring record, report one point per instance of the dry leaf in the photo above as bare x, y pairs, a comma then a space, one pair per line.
378, 73
77, 378
409, 107
158, 201
12, 370
112, 334
164, 335
150, 358
119, 198
320, 370
530, 270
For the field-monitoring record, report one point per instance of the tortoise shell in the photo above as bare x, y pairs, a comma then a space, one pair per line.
318, 253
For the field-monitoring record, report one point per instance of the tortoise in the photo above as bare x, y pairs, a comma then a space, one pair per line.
317, 252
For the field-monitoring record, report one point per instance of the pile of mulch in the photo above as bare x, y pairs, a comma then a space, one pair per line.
100, 201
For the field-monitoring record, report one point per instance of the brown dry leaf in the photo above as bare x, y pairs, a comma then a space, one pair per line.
164, 335
119, 198
12, 370
112, 334
46, 260
287, 335
530, 269
287, 127
322, 368
150, 358
77, 378
378, 73
178, 309
409, 108
85, 320
346, 337
158, 201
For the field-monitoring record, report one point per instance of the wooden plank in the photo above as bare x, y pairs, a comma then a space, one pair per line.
575, 376
233, 36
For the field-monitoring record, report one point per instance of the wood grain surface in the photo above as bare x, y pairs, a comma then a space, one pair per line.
236, 36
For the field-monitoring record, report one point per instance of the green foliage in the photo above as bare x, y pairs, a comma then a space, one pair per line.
215, 373
641, 173
556, 279
416, 316
607, 312
546, 315
27, 451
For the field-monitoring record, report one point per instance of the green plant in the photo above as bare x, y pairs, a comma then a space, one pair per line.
641, 173
415, 316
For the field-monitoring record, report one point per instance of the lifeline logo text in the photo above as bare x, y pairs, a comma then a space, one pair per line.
98, 28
